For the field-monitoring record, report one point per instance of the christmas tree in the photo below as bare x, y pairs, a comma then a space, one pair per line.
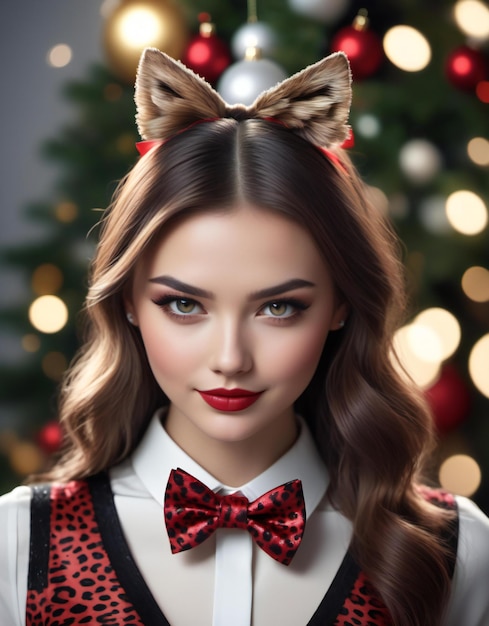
420, 128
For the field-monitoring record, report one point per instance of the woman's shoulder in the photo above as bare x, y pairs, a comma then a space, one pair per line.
14, 518
470, 600
473, 551
11, 502
14, 551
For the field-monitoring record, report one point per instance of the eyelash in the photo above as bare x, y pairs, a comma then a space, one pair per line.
166, 301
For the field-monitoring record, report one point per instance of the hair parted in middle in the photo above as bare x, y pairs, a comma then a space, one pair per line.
370, 427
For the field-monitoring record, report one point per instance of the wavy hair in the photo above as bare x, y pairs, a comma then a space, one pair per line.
370, 426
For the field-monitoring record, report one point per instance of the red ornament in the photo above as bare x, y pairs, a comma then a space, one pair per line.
50, 437
449, 400
206, 54
362, 47
465, 68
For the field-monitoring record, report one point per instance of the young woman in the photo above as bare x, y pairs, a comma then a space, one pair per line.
240, 448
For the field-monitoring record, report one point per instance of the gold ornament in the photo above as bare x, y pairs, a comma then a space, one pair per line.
138, 24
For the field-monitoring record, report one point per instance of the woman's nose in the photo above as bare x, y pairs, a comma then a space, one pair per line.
231, 350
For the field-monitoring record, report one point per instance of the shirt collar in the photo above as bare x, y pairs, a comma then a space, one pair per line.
158, 454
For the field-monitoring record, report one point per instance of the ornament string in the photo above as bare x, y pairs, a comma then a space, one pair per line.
252, 11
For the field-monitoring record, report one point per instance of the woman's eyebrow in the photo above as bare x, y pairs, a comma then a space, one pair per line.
174, 283
268, 292
276, 290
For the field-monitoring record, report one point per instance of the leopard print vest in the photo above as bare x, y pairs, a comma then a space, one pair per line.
81, 570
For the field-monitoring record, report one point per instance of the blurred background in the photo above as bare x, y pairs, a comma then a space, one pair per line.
420, 122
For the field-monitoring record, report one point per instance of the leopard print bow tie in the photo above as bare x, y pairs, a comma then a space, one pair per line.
276, 520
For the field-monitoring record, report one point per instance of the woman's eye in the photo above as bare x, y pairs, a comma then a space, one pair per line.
279, 309
183, 306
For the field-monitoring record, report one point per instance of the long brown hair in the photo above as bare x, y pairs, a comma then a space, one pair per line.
371, 428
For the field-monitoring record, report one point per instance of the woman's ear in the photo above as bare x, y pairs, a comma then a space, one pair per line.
340, 316
129, 308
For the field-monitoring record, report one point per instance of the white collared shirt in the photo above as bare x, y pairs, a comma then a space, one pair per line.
195, 587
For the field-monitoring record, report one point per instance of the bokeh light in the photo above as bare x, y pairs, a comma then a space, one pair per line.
445, 327
46, 279
48, 314
466, 212
59, 55
31, 342
26, 458
66, 211
139, 26
475, 284
460, 474
472, 17
407, 48
368, 126
479, 365
423, 372
433, 216
478, 150
378, 198
482, 91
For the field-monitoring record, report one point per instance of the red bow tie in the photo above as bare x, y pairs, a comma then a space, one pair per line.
275, 521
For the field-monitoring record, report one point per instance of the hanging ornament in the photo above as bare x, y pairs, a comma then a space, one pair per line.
322, 10
449, 400
253, 34
420, 161
206, 54
50, 437
362, 47
138, 24
465, 68
243, 81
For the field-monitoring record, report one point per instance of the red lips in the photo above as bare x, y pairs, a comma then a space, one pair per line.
230, 400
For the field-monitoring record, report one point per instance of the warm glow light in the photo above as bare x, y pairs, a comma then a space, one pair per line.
407, 48
48, 314
466, 212
66, 212
478, 150
31, 343
423, 373
445, 327
460, 474
46, 279
425, 343
59, 55
479, 365
475, 284
472, 18
138, 27
26, 458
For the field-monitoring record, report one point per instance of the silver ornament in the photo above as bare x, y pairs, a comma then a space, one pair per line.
243, 81
253, 35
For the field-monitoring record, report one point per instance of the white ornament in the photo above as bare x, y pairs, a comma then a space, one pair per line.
243, 81
420, 161
323, 10
253, 35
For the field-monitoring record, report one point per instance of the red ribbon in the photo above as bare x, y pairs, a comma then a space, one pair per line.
193, 512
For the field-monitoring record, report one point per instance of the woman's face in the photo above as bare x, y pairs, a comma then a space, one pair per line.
234, 309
